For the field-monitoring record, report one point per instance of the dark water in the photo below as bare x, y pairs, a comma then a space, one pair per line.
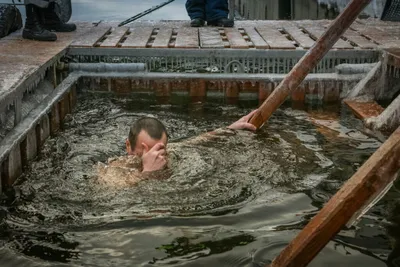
234, 201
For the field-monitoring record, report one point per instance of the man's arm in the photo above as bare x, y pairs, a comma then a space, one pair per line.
243, 123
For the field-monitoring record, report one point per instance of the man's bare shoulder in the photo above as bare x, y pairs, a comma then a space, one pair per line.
120, 171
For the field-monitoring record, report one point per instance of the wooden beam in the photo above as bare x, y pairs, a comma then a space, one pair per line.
365, 110
370, 179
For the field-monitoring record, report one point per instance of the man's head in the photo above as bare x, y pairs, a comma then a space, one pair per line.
144, 134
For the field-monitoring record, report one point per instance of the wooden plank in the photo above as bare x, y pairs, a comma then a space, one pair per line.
187, 38
210, 38
372, 33
393, 57
274, 38
372, 178
359, 40
299, 36
365, 110
235, 38
316, 31
162, 38
114, 37
255, 38
92, 37
138, 37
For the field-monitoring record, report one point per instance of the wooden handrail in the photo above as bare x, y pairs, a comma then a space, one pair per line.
371, 178
309, 61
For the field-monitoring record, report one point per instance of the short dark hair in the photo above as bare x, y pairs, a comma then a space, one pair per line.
153, 127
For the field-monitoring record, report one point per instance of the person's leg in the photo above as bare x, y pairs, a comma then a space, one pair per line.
33, 29
52, 22
196, 11
217, 13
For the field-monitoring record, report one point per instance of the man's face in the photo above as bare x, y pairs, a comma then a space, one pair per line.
144, 143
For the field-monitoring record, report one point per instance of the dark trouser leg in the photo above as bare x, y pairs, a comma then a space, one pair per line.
196, 11
52, 22
33, 29
38, 3
216, 9
217, 13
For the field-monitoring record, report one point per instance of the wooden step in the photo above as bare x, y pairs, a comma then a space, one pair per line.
364, 110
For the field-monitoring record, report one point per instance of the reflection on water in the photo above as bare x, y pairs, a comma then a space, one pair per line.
234, 201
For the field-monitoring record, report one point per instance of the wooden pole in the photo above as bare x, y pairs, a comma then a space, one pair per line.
370, 179
309, 61
232, 9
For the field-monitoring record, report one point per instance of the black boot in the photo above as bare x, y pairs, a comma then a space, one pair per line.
221, 22
52, 22
33, 30
197, 23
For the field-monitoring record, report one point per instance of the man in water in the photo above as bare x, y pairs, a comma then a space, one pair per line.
146, 147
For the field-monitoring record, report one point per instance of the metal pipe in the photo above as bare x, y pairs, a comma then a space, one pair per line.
309, 61
232, 9
107, 67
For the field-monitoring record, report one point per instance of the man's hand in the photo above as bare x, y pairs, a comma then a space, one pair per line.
243, 124
154, 159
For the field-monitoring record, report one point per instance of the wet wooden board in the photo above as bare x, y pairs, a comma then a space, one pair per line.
316, 31
210, 38
365, 110
274, 38
372, 33
359, 40
91, 37
138, 37
20, 58
162, 38
114, 37
187, 38
299, 36
235, 38
255, 38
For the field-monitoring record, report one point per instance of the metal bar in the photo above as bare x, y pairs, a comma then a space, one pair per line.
309, 61
107, 67
144, 13
232, 9
323, 77
231, 53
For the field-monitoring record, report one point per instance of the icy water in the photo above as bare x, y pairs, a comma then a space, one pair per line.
233, 201
120, 10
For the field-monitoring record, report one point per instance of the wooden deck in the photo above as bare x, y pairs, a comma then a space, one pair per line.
364, 34
20, 59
